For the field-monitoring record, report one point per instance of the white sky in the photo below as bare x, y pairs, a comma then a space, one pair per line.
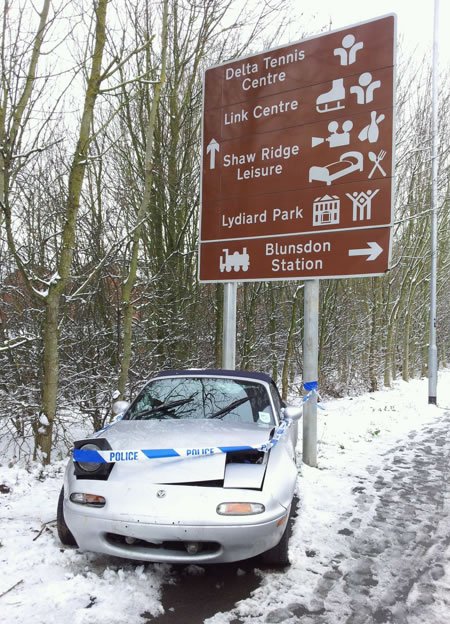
414, 19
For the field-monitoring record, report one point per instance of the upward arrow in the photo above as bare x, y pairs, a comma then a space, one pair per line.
212, 148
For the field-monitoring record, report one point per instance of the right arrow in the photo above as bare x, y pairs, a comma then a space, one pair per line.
372, 252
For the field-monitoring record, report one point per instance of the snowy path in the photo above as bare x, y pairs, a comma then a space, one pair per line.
391, 561
398, 552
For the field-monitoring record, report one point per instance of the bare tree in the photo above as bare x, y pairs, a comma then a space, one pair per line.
50, 296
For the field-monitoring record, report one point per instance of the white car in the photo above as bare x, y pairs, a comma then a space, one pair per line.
200, 468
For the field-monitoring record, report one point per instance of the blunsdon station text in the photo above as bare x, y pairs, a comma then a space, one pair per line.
297, 252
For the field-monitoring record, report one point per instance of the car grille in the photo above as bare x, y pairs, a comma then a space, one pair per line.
175, 547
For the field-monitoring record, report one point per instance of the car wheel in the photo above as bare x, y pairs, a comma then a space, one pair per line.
278, 556
64, 533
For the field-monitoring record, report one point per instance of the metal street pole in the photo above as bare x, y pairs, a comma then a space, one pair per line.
229, 326
310, 369
432, 349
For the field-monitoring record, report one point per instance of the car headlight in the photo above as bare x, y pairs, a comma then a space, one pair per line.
240, 509
91, 500
84, 467
90, 466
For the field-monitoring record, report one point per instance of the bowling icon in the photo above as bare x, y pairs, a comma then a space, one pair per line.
371, 132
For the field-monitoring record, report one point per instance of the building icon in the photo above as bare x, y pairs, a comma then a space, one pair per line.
326, 210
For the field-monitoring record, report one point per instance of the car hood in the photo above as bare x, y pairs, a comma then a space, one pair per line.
140, 434
187, 434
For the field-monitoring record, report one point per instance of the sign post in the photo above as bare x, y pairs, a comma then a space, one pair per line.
432, 349
229, 326
298, 160
310, 369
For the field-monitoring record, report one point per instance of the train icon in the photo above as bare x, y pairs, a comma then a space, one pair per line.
235, 261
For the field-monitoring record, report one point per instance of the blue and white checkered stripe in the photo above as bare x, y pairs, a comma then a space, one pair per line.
88, 456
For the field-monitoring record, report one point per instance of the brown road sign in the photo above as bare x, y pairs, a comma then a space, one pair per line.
330, 254
311, 210
296, 107
306, 63
299, 140
298, 158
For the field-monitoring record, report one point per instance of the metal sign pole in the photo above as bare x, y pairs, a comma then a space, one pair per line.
229, 325
310, 370
432, 349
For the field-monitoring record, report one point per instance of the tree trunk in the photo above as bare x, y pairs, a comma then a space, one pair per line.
289, 345
44, 426
50, 370
128, 286
218, 333
373, 348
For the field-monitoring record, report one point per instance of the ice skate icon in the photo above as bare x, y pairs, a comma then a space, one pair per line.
331, 100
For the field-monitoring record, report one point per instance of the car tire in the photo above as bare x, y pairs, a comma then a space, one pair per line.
278, 556
64, 532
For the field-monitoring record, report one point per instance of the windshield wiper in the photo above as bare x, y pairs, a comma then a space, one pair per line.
229, 407
164, 406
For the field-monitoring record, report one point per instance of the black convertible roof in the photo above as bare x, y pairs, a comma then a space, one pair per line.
216, 372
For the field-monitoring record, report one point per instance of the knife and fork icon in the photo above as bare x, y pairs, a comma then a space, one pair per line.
377, 159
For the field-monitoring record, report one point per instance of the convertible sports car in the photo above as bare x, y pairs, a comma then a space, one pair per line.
199, 469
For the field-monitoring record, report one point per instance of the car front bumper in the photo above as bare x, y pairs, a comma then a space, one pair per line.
158, 542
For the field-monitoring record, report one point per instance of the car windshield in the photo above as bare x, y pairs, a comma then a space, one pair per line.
232, 400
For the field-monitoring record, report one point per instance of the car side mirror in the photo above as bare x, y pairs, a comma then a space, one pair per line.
119, 407
292, 412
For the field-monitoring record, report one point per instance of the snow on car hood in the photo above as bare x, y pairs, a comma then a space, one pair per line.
182, 434
140, 434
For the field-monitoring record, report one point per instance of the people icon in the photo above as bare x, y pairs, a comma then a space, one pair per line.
364, 91
362, 204
347, 53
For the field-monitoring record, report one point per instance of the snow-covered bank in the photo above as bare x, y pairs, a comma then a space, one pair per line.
358, 438
42, 582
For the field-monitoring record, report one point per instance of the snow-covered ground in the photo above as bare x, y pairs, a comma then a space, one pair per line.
349, 550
